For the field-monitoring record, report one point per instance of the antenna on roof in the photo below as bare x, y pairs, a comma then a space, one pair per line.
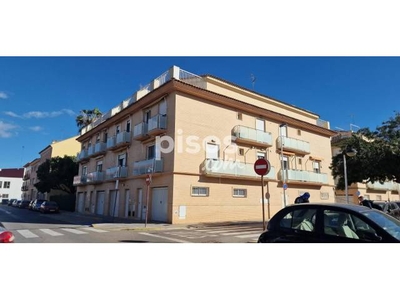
253, 80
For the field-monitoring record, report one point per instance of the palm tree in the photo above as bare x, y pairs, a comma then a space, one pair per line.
86, 117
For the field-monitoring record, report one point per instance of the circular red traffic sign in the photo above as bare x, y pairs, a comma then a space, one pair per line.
262, 166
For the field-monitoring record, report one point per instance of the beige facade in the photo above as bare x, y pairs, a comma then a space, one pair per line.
198, 138
69, 147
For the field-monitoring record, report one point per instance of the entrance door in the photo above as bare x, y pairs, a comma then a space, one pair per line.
159, 205
81, 202
114, 203
100, 203
140, 203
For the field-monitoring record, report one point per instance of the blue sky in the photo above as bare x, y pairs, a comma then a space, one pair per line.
41, 96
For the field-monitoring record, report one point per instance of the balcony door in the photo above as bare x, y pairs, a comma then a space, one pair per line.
212, 151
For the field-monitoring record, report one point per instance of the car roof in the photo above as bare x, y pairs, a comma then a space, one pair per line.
353, 207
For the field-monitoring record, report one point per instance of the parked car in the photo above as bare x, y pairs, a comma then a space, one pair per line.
6, 236
4, 201
333, 222
36, 204
30, 206
390, 208
24, 204
49, 207
11, 202
16, 203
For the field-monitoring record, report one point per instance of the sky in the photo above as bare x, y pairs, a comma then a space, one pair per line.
338, 59
40, 96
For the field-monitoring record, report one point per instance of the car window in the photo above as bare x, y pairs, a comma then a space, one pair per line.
386, 222
299, 219
339, 223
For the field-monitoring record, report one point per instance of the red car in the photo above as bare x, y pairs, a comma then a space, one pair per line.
6, 236
49, 207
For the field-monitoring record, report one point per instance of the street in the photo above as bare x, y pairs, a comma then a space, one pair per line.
34, 227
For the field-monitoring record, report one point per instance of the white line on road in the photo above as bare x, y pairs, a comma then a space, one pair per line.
27, 234
74, 231
249, 236
241, 232
164, 237
51, 232
95, 229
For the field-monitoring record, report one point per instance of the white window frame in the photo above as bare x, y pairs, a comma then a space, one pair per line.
239, 195
198, 194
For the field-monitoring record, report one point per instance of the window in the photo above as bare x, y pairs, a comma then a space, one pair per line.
147, 116
260, 124
379, 198
300, 161
239, 116
163, 107
105, 136
6, 184
99, 166
299, 219
200, 191
316, 167
151, 152
241, 152
298, 132
98, 138
285, 163
84, 170
240, 193
1, 184
117, 129
212, 151
122, 160
128, 126
4, 196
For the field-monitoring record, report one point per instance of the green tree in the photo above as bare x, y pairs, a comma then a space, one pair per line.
378, 155
86, 117
57, 173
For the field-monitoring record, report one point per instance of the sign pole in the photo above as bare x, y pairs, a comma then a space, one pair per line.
262, 195
148, 181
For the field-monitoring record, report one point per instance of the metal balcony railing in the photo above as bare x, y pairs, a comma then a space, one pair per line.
148, 166
100, 147
157, 122
386, 186
252, 135
83, 154
116, 172
95, 177
303, 176
293, 144
140, 130
219, 167
123, 137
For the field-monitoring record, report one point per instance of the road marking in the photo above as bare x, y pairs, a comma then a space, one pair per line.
74, 231
164, 237
27, 234
51, 232
95, 229
241, 233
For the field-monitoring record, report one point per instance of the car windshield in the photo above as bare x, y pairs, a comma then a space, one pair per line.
389, 224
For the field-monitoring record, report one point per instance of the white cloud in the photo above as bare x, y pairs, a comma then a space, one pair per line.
6, 129
41, 114
3, 95
36, 128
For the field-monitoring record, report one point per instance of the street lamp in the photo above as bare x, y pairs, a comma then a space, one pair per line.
350, 153
282, 164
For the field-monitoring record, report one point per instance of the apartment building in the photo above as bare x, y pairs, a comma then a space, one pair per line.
69, 146
387, 191
10, 183
182, 150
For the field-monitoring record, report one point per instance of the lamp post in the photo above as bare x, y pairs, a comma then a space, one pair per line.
350, 153
282, 164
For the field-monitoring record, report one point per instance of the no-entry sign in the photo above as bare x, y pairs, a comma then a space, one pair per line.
262, 166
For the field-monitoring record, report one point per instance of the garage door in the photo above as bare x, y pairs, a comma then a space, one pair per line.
100, 203
159, 205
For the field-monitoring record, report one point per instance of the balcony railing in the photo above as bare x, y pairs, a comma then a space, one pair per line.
157, 124
123, 137
100, 147
228, 168
79, 179
111, 142
90, 150
386, 186
148, 166
140, 131
251, 136
116, 172
95, 177
82, 155
294, 145
304, 176
27, 176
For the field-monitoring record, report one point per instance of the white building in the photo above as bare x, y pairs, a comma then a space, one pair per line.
11, 183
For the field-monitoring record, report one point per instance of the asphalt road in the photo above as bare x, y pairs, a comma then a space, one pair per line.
34, 227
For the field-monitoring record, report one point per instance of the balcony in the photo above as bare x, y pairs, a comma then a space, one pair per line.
100, 148
294, 145
147, 166
232, 169
79, 179
27, 176
140, 131
83, 155
157, 125
90, 151
122, 139
116, 173
298, 176
95, 177
25, 187
386, 186
251, 137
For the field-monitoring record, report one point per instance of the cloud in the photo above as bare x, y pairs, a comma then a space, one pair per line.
41, 114
36, 128
3, 95
6, 129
